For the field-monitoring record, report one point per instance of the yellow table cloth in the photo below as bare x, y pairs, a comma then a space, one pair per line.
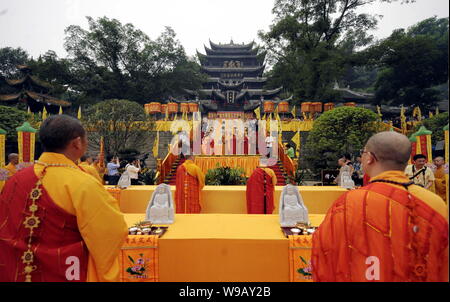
246, 162
223, 248
232, 199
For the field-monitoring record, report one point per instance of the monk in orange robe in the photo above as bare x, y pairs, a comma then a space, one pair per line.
13, 159
439, 175
56, 222
86, 166
190, 181
389, 230
260, 190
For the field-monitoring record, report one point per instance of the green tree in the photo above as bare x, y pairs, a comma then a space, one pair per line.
123, 124
310, 41
435, 124
411, 63
115, 60
338, 131
10, 119
9, 59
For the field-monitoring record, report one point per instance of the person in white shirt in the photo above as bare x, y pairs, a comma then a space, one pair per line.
133, 171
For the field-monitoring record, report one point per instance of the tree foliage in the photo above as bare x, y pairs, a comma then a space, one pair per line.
10, 119
123, 124
436, 125
338, 131
411, 62
310, 41
115, 60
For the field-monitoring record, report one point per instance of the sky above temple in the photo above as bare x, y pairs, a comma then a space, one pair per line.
38, 26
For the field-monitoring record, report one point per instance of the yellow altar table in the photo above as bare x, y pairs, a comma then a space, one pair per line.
246, 162
223, 248
231, 199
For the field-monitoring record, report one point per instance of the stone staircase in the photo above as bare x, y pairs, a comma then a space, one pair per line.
278, 169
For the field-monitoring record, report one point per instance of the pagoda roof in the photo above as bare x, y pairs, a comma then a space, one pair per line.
30, 78
229, 51
38, 97
238, 69
231, 45
246, 80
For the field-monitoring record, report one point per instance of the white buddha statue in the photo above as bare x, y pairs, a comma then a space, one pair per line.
160, 209
292, 209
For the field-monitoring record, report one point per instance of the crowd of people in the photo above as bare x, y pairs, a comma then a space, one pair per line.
54, 210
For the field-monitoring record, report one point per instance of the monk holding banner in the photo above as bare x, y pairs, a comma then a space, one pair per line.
260, 189
189, 183
390, 230
56, 222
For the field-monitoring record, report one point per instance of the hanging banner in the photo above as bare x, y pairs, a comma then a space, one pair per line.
300, 269
139, 259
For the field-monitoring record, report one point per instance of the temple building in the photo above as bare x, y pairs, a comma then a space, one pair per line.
235, 78
32, 91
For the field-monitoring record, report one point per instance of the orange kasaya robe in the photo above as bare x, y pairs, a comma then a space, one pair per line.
78, 217
260, 190
190, 181
383, 232
440, 183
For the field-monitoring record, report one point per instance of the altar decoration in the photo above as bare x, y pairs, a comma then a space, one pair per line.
139, 259
26, 143
300, 269
247, 162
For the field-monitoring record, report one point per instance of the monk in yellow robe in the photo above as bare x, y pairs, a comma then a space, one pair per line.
439, 176
86, 166
57, 222
390, 230
13, 159
190, 180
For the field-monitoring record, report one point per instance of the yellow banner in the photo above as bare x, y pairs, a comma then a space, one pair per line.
2, 150
300, 258
139, 259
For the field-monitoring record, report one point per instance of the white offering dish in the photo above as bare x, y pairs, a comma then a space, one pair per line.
133, 231
295, 231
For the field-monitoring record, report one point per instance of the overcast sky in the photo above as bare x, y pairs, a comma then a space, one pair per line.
38, 26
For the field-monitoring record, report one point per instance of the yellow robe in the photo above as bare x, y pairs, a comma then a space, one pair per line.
91, 171
11, 168
440, 183
196, 172
99, 219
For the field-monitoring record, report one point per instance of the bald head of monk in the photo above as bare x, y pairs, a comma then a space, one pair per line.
386, 151
13, 158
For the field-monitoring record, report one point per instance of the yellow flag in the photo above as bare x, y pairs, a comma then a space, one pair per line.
277, 116
155, 145
60, 110
44, 114
437, 110
379, 112
258, 113
430, 114
296, 141
28, 110
167, 113
293, 111
79, 113
264, 117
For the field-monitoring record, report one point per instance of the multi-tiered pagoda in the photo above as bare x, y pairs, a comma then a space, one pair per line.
235, 78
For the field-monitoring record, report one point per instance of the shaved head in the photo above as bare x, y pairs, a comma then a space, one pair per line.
13, 158
392, 149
